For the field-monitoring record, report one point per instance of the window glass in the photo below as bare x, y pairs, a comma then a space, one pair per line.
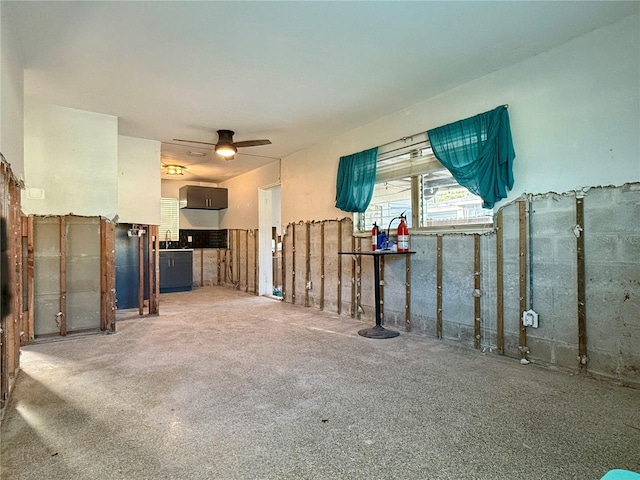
411, 178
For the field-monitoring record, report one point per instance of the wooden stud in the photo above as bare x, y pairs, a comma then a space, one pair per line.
110, 262
202, 267
407, 304
339, 267
359, 279
439, 286
284, 264
246, 261
31, 297
238, 261
293, 263
219, 265
582, 297
62, 316
500, 283
103, 274
141, 275
150, 265
353, 278
307, 263
154, 271
477, 331
322, 266
522, 252
256, 236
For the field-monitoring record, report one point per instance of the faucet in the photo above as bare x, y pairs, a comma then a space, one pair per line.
167, 236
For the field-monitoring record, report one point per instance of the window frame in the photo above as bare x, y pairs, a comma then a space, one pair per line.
413, 168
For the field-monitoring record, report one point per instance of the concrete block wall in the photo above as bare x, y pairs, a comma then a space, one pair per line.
612, 257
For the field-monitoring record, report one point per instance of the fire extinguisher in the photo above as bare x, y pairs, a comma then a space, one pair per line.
374, 237
403, 235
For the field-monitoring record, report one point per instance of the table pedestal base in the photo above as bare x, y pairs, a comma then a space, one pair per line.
377, 332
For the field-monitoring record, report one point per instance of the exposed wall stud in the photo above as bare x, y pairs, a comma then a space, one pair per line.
407, 283
582, 309
62, 315
339, 267
439, 286
322, 266
307, 263
154, 272
246, 261
31, 297
477, 332
499, 284
141, 275
293, 263
522, 222
353, 278
256, 236
284, 264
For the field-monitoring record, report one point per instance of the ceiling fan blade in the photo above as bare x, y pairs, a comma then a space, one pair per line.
252, 143
192, 141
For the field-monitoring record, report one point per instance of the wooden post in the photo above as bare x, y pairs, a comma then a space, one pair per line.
202, 267
31, 297
141, 275
103, 274
62, 316
500, 283
322, 266
353, 278
110, 262
154, 270
582, 297
439, 287
477, 331
256, 236
307, 263
246, 261
293, 263
339, 267
150, 265
238, 261
219, 265
284, 265
522, 221
407, 305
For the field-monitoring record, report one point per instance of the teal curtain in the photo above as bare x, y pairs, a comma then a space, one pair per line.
478, 152
356, 179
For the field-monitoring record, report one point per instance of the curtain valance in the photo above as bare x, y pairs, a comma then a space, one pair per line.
356, 180
479, 153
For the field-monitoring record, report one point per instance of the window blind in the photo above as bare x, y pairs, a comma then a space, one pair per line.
169, 220
405, 158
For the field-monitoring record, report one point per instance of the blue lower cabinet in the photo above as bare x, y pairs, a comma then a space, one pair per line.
176, 270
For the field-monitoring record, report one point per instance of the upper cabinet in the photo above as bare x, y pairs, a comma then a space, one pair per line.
203, 198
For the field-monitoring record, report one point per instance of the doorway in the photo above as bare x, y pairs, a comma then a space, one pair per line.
270, 244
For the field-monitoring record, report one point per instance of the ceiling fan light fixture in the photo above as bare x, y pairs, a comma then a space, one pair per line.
174, 170
226, 150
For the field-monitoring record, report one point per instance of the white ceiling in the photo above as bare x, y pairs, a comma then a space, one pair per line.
296, 73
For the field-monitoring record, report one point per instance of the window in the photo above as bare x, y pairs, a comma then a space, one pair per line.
410, 179
169, 218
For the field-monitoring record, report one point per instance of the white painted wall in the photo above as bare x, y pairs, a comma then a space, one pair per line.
191, 219
243, 196
575, 118
11, 98
138, 180
72, 156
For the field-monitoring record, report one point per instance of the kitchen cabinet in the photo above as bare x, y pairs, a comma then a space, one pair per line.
176, 270
203, 198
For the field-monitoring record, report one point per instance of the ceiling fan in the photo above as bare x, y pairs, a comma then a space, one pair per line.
226, 147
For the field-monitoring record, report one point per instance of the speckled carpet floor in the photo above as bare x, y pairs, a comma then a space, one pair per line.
226, 385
